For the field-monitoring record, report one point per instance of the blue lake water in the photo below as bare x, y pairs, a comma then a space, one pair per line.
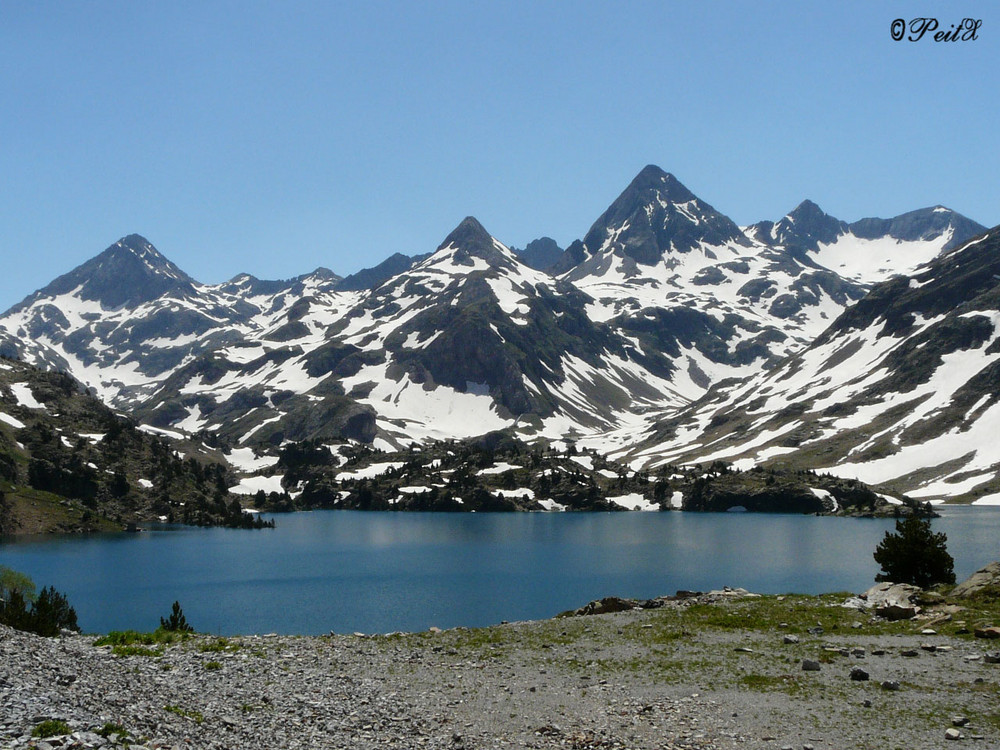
378, 572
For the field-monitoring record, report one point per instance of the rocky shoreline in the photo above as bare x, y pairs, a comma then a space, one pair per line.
703, 672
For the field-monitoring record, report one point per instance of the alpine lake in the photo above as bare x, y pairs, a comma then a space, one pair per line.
377, 572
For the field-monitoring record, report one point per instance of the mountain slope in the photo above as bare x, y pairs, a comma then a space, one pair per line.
69, 463
869, 250
663, 299
902, 390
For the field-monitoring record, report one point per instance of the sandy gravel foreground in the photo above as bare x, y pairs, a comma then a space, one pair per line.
687, 675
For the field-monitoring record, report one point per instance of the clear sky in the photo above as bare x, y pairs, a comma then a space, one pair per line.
272, 138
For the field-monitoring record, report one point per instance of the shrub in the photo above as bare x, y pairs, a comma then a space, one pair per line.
51, 728
176, 623
915, 555
48, 613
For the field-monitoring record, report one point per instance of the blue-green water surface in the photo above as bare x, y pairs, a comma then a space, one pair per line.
379, 572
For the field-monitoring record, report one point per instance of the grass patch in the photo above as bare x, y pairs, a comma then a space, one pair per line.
212, 666
51, 728
110, 728
155, 652
764, 683
218, 646
196, 716
134, 643
134, 637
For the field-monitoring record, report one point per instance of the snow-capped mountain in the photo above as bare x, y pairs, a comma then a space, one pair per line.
869, 250
676, 276
664, 298
903, 390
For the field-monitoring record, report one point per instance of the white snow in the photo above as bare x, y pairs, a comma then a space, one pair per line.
826, 495
871, 261
12, 421
498, 468
159, 431
250, 485
634, 501
22, 392
551, 505
369, 472
516, 493
145, 483
244, 459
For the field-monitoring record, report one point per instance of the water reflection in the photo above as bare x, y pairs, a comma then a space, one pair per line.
377, 572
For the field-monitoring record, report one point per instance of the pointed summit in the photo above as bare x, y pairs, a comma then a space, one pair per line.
471, 240
126, 274
806, 226
652, 178
657, 215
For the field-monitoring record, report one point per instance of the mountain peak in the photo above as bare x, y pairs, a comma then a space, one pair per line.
126, 274
657, 215
468, 232
805, 226
470, 239
807, 208
653, 179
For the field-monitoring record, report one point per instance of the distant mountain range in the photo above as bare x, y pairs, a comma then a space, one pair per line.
667, 333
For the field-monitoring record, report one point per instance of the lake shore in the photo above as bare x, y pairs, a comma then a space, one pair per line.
718, 671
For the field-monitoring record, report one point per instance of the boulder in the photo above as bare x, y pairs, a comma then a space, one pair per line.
893, 601
607, 605
984, 579
991, 632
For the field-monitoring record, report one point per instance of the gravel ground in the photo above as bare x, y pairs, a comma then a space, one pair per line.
635, 679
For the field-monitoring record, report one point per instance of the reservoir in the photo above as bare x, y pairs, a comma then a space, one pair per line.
380, 572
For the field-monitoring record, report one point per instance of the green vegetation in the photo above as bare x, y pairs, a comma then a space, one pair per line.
76, 465
218, 646
196, 716
51, 728
500, 472
211, 666
111, 729
134, 643
915, 554
45, 614
176, 622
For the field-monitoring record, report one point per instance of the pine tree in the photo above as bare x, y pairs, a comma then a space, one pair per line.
914, 554
176, 623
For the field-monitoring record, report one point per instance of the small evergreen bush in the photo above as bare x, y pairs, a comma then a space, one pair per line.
914, 554
176, 623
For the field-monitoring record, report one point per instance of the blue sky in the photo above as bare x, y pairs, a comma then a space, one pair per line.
274, 138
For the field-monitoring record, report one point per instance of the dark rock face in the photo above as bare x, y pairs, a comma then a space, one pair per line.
370, 278
662, 216
541, 254
127, 274
806, 226
922, 224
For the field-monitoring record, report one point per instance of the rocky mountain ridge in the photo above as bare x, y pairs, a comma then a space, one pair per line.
663, 299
